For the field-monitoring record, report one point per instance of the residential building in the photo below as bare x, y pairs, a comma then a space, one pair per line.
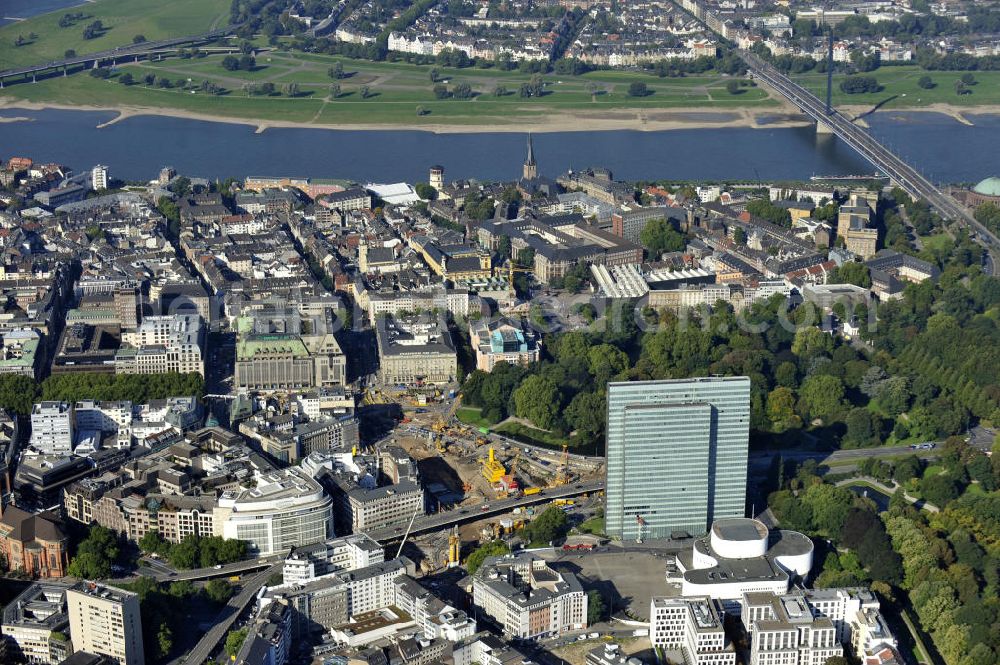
528, 598
285, 509
34, 543
415, 350
354, 198
52, 428
270, 638
36, 625
693, 626
332, 556
676, 455
99, 177
105, 620
128, 305
856, 211
513, 342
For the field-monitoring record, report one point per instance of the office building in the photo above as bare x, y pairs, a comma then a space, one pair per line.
127, 305
676, 455
784, 631
285, 509
332, 556
36, 625
105, 620
52, 428
415, 350
527, 598
163, 343
692, 626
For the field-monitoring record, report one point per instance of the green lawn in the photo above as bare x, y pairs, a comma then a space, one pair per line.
933, 470
899, 81
396, 90
537, 437
471, 415
122, 20
594, 525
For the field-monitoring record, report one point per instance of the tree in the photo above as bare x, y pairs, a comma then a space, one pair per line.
234, 640
733, 87
661, 235
968, 79
219, 591
231, 63
551, 525
852, 272
925, 82
292, 89
821, 396
739, 236
247, 62
537, 399
638, 89
499, 91
940, 489
462, 91
854, 85
483, 552
126, 79
422, 111
95, 554
425, 191
595, 607
138, 39
69, 53
441, 91
810, 342
862, 429
365, 92
433, 75
781, 410
336, 72
334, 90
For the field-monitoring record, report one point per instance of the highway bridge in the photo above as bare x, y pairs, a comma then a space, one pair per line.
133, 51
227, 617
901, 173
445, 520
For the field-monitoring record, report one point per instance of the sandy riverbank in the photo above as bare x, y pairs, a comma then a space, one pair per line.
653, 120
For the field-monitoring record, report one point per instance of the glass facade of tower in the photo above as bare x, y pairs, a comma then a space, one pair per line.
676, 455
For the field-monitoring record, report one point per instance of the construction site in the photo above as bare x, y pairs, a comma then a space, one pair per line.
464, 468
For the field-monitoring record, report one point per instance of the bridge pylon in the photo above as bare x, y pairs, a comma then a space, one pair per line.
824, 128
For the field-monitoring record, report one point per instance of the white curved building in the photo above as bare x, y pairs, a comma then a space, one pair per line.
286, 509
741, 555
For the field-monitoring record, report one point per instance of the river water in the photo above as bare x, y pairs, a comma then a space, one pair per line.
137, 147
11, 10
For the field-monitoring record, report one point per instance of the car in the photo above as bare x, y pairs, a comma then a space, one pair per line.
485, 507
463, 512
217, 566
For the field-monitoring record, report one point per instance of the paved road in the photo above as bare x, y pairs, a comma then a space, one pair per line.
227, 616
164, 573
831, 458
130, 50
861, 141
444, 520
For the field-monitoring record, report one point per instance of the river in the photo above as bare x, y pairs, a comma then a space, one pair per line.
12, 10
137, 147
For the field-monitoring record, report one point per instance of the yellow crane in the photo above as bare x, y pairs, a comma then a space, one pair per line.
562, 474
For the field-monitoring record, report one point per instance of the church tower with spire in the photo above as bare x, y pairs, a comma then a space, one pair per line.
530, 168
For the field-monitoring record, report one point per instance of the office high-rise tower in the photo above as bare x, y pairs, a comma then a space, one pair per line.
676, 455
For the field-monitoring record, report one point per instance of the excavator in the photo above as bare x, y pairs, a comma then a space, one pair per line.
442, 423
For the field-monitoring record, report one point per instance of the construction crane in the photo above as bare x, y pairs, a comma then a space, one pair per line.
454, 548
641, 524
562, 475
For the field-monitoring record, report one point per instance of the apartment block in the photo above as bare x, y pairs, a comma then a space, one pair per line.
105, 620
